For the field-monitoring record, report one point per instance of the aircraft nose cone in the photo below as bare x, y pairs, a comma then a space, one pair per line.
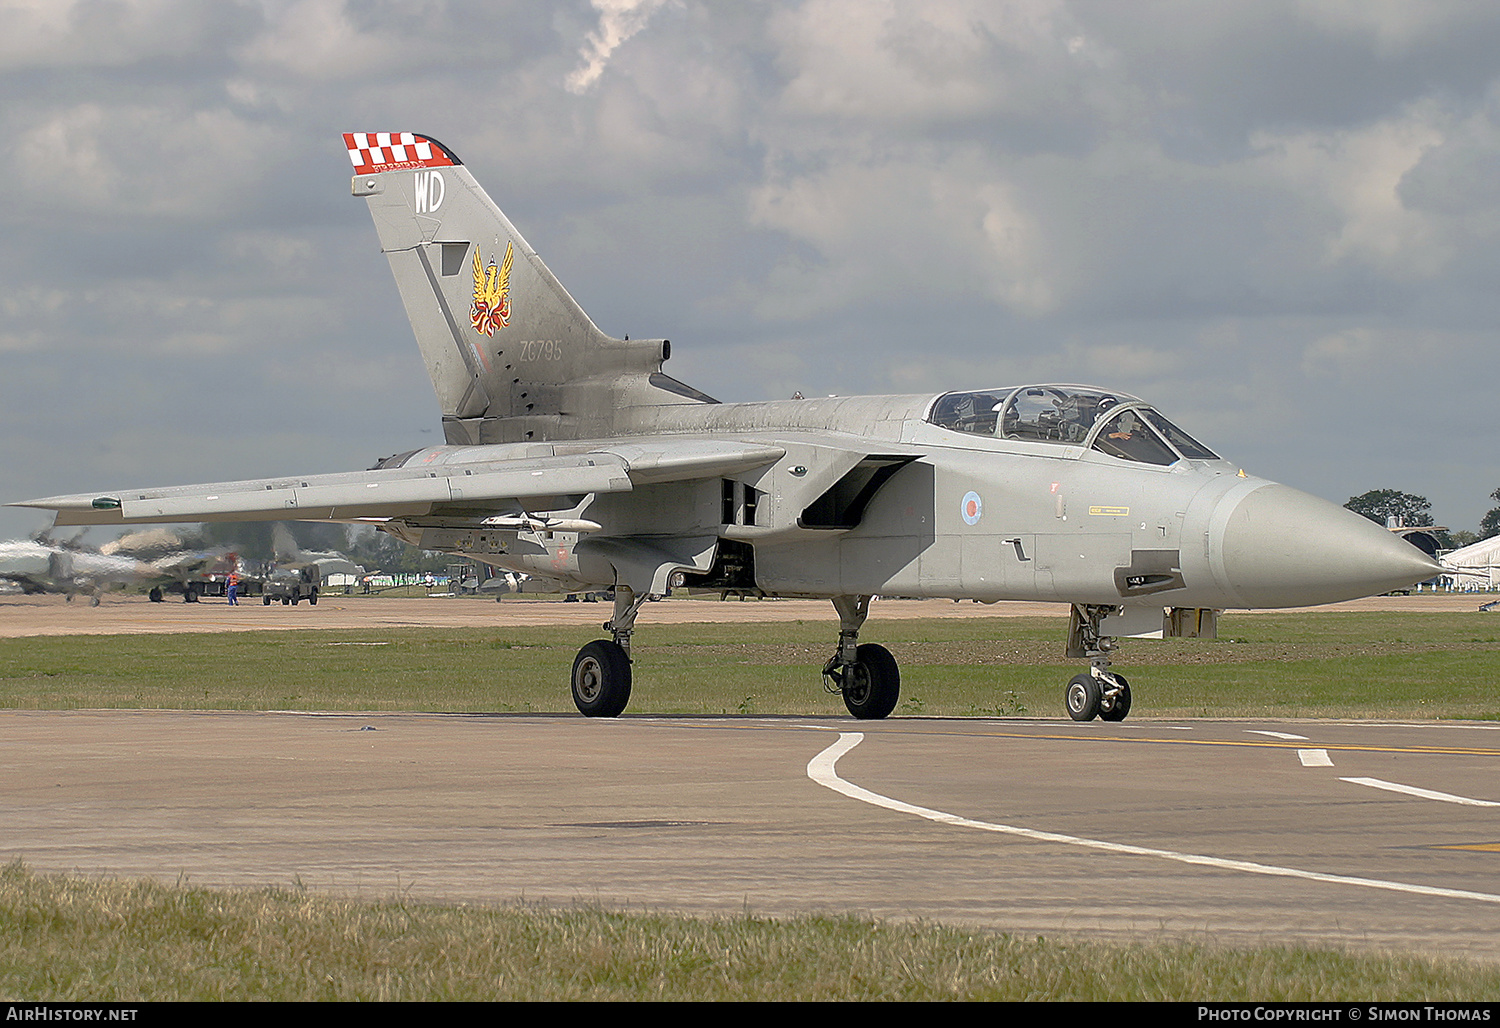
1284, 548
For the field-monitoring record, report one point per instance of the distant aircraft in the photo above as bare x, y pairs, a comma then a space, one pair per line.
173, 566
571, 455
40, 565
44, 565
510, 582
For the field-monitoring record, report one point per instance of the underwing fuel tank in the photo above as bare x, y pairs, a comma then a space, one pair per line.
1269, 545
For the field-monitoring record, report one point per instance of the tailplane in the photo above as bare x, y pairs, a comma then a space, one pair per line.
511, 354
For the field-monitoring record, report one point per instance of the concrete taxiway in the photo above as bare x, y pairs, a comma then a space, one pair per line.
1241, 832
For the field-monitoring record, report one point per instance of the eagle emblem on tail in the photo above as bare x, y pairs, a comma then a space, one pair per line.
491, 310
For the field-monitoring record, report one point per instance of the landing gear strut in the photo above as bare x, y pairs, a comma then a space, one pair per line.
1099, 692
601, 671
867, 676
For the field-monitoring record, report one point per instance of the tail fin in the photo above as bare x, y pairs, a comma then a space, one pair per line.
511, 354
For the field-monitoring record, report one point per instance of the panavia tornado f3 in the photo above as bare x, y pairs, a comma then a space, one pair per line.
571, 456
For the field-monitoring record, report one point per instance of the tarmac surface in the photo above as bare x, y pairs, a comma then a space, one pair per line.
1361, 834
53, 615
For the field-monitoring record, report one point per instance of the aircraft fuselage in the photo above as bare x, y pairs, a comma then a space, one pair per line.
955, 515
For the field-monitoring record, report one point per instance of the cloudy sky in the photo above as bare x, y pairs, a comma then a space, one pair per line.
1279, 220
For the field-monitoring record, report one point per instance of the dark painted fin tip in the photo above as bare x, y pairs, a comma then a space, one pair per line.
442, 146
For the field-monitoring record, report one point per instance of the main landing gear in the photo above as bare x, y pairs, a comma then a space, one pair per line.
1098, 692
867, 676
601, 671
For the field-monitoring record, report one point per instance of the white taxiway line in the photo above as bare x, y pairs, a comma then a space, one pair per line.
821, 769
1426, 794
1314, 758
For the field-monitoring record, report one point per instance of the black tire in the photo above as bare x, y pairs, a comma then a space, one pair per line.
155, 594
286, 601
873, 685
1121, 705
265, 601
313, 599
1083, 698
601, 679
190, 595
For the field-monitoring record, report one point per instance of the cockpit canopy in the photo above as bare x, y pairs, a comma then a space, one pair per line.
1117, 424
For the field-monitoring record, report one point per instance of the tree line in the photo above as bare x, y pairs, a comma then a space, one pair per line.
1415, 512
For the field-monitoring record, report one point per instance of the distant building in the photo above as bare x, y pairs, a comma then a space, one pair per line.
1476, 566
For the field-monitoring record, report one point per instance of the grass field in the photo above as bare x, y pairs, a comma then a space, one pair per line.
1411, 665
74, 938
69, 938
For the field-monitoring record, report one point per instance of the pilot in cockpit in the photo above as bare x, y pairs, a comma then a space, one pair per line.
1125, 427
1075, 421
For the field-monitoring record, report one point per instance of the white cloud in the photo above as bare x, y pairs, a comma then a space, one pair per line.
1393, 26
618, 21
1357, 174
137, 162
901, 232
892, 62
81, 34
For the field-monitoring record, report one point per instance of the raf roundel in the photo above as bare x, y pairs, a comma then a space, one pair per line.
972, 508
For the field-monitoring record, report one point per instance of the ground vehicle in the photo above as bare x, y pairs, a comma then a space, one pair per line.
291, 584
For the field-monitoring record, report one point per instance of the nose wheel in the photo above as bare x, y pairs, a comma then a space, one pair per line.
1098, 692
1106, 697
1082, 698
1115, 707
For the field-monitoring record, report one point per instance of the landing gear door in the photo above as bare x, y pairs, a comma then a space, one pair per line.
1134, 622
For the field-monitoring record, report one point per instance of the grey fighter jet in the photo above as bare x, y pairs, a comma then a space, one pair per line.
571, 455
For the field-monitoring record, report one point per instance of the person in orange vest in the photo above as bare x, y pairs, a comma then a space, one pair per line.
233, 591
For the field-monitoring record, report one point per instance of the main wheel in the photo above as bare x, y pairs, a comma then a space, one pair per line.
601, 679
1121, 705
313, 599
1083, 697
873, 684
265, 601
189, 595
155, 594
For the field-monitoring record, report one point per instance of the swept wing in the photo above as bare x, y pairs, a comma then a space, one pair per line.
427, 483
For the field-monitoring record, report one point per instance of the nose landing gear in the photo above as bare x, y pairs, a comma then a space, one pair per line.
1106, 696
1099, 692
